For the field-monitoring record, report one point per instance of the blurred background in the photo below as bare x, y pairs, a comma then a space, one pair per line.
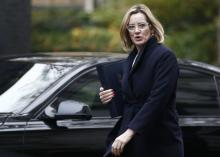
192, 27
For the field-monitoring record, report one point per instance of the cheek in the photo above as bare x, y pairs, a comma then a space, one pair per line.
131, 37
147, 35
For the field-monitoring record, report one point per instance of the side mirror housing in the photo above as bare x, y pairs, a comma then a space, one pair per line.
70, 109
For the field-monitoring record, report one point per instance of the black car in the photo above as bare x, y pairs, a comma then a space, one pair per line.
49, 106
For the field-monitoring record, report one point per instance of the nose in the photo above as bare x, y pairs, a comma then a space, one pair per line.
137, 30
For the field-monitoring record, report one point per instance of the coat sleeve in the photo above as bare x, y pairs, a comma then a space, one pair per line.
163, 89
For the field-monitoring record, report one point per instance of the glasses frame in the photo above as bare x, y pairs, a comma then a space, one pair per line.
137, 25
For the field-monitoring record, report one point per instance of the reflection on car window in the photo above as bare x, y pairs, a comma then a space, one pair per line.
24, 82
196, 94
86, 90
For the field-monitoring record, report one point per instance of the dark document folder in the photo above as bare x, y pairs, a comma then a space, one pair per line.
110, 75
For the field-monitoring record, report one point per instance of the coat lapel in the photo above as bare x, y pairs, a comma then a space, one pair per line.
127, 69
137, 61
142, 54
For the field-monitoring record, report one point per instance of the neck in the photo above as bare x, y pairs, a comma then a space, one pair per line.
139, 47
150, 41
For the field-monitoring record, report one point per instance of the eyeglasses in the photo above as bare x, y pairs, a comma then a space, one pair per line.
140, 26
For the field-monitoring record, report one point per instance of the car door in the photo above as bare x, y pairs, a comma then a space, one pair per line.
198, 107
72, 135
11, 135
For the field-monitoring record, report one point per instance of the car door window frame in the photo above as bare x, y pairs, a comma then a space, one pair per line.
217, 88
60, 90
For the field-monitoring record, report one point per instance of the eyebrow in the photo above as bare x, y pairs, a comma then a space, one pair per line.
137, 23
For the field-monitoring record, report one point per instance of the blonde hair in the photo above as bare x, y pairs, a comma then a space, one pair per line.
155, 25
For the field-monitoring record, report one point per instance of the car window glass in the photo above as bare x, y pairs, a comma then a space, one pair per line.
196, 94
24, 82
86, 90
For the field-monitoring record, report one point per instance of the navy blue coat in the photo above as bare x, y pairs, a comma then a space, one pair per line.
149, 92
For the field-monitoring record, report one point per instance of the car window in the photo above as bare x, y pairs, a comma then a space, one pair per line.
25, 81
196, 94
86, 90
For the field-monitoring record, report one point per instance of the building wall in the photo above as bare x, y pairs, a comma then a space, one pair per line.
42, 3
15, 26
87, 5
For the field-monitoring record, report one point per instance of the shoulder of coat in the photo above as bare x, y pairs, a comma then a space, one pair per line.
161, 49
162, 52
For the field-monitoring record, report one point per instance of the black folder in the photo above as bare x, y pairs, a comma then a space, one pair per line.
110, 75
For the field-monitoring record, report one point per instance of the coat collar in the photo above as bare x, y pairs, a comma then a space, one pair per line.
152, 41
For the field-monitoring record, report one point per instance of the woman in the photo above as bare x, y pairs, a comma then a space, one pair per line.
149, 124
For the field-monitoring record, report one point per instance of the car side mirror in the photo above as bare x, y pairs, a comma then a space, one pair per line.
70, 109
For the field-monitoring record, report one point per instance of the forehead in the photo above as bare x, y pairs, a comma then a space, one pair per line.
138, 17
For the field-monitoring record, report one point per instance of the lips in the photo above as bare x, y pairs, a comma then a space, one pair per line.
137, 38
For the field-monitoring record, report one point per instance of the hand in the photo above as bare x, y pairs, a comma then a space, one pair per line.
106, 95
120, 142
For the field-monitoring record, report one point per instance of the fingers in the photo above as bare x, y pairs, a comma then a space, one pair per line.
117, 147
106, 95
106, 98
108, 91
122, 148
114, 148
120, 142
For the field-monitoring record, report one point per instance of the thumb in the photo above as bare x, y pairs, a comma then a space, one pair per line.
101, 89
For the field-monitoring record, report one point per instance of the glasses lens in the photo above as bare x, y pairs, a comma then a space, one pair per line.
131, 27
140, 26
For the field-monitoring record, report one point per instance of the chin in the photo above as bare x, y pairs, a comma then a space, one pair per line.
140, 43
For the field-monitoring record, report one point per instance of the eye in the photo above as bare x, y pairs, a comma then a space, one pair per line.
142, 25
131, 27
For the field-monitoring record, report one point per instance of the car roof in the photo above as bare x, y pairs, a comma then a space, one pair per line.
62, 56
73, 58
82, 58
198, 64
